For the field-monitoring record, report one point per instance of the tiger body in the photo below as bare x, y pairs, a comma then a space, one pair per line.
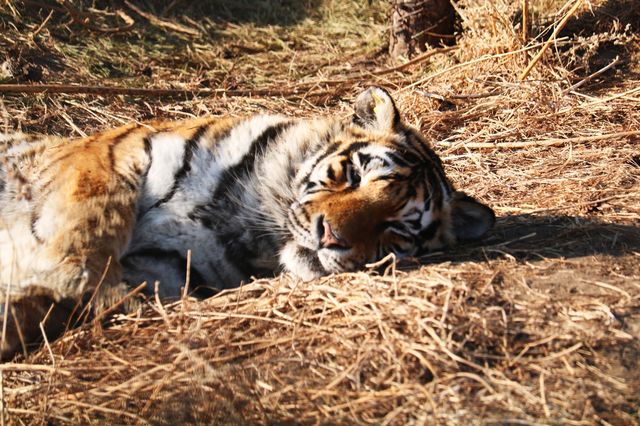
245, 196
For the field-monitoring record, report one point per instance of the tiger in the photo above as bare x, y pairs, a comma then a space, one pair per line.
219, 199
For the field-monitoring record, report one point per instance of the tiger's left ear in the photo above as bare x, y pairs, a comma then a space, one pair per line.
375, 109
470, 218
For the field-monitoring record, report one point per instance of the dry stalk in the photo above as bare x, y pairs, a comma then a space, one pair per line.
114, 91
418, 59
2, 400
119, 304
525, 20
603, 100
466, 65
590, 77
551, 40
44, 335
154, 20
542, 143
187, 279
86, 310
44, 23
34, 367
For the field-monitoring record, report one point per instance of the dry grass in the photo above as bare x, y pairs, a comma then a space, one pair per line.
538, 325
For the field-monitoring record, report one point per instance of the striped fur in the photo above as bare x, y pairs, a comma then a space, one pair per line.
248, 197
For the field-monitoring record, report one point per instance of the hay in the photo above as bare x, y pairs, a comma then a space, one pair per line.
539, 324
445, 342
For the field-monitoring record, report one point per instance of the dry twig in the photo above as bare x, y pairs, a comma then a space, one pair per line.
154, 20
131, 91
540, 143
551, 40
592, 76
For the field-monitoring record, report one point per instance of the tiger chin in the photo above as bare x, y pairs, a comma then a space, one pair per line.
84, 220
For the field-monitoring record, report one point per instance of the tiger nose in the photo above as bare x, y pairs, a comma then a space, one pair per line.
329, 239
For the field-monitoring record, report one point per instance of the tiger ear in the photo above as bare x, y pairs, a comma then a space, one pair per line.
375, 109
470, 218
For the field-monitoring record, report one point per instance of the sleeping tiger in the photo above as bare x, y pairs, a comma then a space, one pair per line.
82, 220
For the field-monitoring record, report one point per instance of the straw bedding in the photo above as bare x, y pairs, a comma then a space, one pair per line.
538, 324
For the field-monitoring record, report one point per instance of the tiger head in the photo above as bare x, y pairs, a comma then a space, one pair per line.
376, 188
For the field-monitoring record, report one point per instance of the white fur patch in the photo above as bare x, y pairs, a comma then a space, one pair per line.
21, 257
230, 150
167, 151
293, 263
426, 219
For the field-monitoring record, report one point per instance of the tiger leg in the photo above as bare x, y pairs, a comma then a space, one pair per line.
65, 251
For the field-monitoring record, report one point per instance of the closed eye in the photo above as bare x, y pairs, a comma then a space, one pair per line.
399, 247
315, 187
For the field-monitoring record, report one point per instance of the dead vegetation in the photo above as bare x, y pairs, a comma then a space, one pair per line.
538, 325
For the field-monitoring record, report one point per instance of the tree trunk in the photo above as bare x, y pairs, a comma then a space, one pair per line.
418, 23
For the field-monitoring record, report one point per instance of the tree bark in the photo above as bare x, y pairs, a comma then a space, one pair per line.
418, 23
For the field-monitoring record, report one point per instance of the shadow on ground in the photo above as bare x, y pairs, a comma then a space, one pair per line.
259, 12
600, 23
532, 237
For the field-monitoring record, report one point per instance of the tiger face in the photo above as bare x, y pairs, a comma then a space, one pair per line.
377, 188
